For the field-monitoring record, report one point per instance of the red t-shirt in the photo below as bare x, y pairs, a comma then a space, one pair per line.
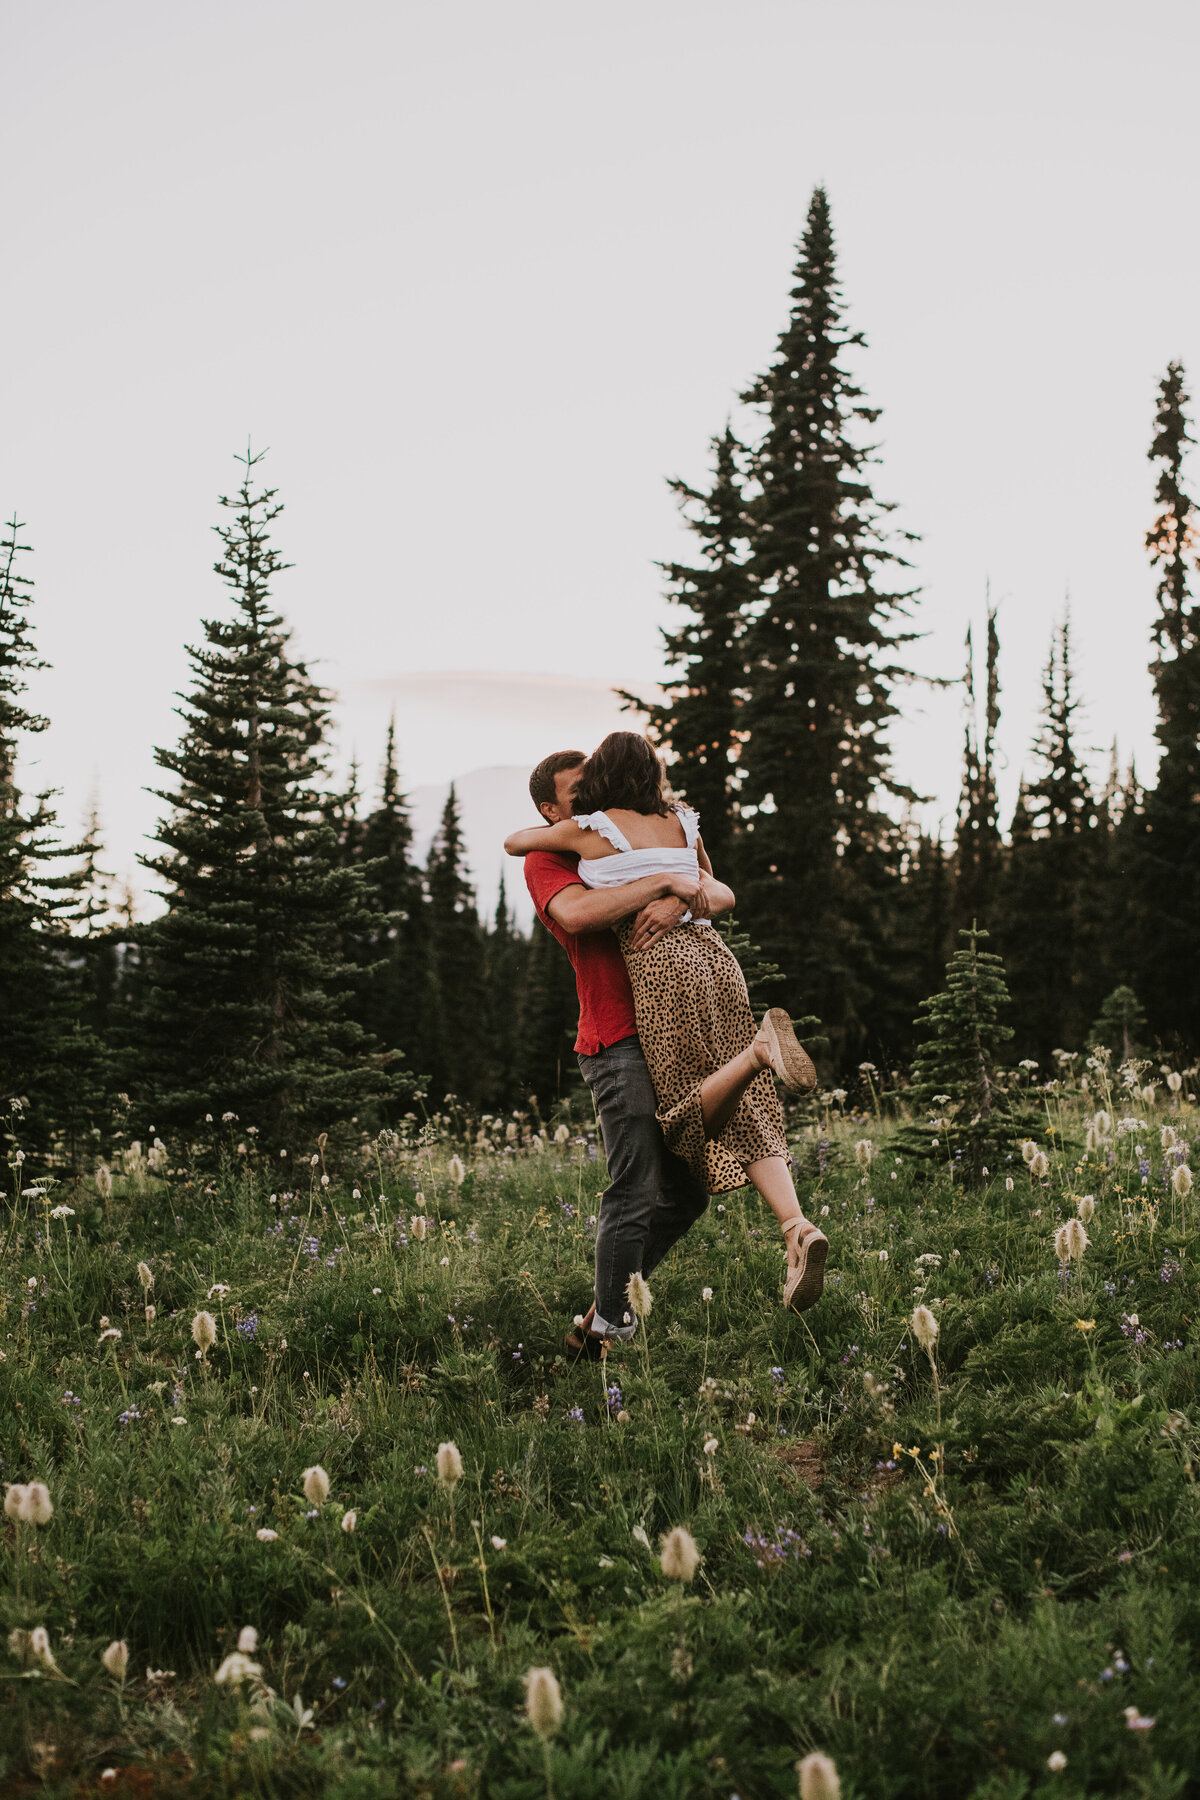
605, 996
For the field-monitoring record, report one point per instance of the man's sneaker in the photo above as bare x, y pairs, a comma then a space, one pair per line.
582, 1343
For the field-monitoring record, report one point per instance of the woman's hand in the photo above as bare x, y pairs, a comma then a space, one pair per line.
691, 892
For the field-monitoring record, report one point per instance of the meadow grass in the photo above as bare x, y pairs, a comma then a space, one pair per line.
946, 1567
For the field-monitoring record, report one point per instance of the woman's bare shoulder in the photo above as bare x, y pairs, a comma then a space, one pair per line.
649, 831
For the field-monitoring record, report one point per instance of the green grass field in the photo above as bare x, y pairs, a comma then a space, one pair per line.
945, 1585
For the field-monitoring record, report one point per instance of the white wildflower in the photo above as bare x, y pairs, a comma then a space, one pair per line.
316, 1485
638, 1293
116, 1659
543, 1702
680, 1554
449, 1466
818, 1777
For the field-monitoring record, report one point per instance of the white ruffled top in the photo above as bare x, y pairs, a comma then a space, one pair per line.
631, 864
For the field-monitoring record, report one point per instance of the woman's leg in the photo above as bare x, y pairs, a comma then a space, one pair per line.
770, 1176
721, 1091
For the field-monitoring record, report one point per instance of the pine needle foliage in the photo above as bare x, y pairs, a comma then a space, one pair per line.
1166, 838
48, 1057
246, 1002
698, 719
821, 659
955, 1075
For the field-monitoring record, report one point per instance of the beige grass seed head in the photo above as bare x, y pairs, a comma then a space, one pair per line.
543, 1701
1167, 1137
1085, 1206
641, 1301
116, 1659
818, 1777
316, 1485
680, 1554
925, 1328
145, 1276
457, 1170
1075, 1238
37, 1508
204, 1331
449, 1466
419, 1227
349, 1520
1181, 1182
14, 1499
1039, 1165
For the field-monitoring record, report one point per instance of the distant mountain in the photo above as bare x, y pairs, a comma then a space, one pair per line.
492, 802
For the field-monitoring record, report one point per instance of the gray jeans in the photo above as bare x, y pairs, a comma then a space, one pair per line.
652, 1197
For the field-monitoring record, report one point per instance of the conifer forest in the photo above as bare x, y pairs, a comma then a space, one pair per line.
302, 1495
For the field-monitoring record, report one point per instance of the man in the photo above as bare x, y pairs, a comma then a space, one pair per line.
652, 1197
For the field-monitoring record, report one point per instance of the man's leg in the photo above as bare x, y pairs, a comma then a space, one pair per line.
634, 1150
684, 1199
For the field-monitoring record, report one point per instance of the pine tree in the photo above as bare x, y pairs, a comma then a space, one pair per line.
48, 1057
820, 653
1167, 842
458, 1054
506, 955
548, 1019
1053, 951
396, 1000
246, 1002
697, 720
1121, 1025
978, 849
974, 1122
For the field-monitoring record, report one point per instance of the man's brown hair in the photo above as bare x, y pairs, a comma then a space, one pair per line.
542, 790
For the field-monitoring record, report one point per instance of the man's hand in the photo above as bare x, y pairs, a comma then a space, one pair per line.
654, 921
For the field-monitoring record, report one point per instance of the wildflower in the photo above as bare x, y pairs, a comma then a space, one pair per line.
349, 1520
543, 1702
39, 1646
1168, 1137
456, 1170
1101, 1124
247, 1640
1137, 1721
1039, 1165
1028, 1149
1008, 1184
1076, 1239
864, 1150
1181, 1181
14, 1498
37, 1508
1174, 1081
116, 1658
499, 1543
562, 1134
622, 1418
109, 1335
62, 1212
1086, 1208
418, 1228
316, 1485
1085, 1324
104, 1181
818, 1777
237, 1668
711, 1446
265, 1535
204, 1331
449, 1466
151, 1314
706, 1295
1056, 1761
925, 1329
640, 1299
680, 1554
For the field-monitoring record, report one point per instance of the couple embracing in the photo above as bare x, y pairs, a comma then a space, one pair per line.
681, 1080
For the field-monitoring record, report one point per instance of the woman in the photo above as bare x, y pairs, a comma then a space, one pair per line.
717, 1104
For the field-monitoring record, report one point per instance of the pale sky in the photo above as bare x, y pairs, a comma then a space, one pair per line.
483, 275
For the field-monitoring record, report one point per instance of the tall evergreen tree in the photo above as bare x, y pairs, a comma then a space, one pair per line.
821, 662
395, 1001
978, 850
697, 722
506, 956
548, 1019
974, 1120
1054, 957
1167, 838
458, 1054
48, 1057
246, 1003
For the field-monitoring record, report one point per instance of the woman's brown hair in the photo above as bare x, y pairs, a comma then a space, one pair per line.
624, 771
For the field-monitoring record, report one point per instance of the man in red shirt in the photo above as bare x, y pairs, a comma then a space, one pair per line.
652, 1197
